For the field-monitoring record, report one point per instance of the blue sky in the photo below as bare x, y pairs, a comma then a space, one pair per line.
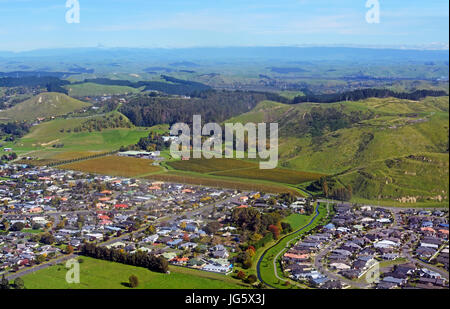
33, 24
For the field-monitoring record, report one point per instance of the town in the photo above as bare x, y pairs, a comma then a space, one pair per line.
53, 215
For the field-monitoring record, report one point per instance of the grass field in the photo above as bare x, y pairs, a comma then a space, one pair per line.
98, 274
91, 89
38, 144
114, 166
44, 105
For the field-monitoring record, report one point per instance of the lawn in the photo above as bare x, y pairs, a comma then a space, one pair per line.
114, 166
98, 274
31, 231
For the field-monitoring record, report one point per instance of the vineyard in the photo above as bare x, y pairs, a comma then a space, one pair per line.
114, 166
243, 169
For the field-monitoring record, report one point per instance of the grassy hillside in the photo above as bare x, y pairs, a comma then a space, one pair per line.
358, 141
98, 274
40, 141
413, 179
44, 105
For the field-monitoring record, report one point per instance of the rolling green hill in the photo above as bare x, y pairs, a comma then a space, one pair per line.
80, 134
358, 141
44, 105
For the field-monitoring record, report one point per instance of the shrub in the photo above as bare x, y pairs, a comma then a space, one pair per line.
134, 281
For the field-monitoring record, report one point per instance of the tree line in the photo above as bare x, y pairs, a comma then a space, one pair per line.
361, 94
328, 187
14, 129
213, 106
140, 259
175, 87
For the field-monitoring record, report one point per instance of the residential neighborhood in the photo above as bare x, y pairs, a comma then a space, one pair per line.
369, 247
49, 214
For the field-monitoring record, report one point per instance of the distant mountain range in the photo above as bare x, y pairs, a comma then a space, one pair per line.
183, 55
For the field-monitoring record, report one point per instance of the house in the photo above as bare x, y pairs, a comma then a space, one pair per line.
218, 268
395, 281
151, 238
174, 243
340, 266
385, 244
188, 245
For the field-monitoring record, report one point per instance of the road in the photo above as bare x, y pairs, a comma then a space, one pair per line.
318, 264
30, 270
407, 253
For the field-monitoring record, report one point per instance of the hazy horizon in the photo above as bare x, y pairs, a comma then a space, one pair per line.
29, 25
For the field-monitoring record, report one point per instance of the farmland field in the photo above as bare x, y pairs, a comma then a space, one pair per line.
114, 166
275, 175
211, 165
243, 169
223, 182
98, 274
91, 89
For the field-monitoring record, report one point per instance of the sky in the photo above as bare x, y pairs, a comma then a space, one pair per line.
37, 24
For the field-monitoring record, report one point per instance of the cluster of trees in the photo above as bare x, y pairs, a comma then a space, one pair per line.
250, 279
141, 259
213, 106
342, 193
361, 94
9, 157
14, 129
47, 239
32, 81
51, 83
105, 122
5, 285
258, 229
331, 189
173, 86
251, 219
152, 142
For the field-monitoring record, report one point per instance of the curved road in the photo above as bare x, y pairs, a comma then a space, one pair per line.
258, 271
